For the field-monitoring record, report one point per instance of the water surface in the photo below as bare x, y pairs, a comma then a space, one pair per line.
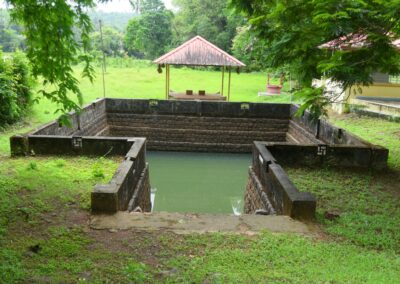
197, 182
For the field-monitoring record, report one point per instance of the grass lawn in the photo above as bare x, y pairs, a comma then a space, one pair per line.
141, 80
44, 208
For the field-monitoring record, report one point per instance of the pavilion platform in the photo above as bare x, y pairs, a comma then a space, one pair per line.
205, 97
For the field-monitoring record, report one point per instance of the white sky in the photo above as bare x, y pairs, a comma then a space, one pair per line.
123, 6
112, 6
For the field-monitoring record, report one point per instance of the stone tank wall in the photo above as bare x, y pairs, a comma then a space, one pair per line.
198, 125
114, 127
193, 133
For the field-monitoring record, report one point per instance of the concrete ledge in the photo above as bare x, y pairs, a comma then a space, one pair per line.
270, 187
366, 112
19, 145
131, 180
199, 147
198, 108
327, 133
84, 119
188, 223
75, 145
334, 155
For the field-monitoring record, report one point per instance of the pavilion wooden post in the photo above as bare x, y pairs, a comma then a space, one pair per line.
222, 87
167, 81
229, 83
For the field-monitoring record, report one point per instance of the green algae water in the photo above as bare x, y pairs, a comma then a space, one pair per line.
197, 182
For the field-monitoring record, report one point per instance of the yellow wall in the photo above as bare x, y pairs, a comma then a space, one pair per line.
380, 90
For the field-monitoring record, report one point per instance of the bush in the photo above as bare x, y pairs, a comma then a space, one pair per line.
15, 88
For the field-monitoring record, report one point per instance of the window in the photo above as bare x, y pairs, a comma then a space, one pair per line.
394, 79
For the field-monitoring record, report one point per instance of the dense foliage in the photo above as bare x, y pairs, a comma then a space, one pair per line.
15, 87
249, 49
150, 34
111, 41
51, 29
211, 19
292, 31
12, 38
157, 29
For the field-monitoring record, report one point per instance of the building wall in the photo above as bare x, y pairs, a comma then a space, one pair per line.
379, 90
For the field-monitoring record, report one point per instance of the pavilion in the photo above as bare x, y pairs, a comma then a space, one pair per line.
198, 52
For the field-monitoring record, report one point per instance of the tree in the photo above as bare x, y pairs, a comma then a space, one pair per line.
149, 34
143, 6
112, 42
292, 31
15, 87
210, 19
11, 37
154, 35
247, 48
52, 48
131, 37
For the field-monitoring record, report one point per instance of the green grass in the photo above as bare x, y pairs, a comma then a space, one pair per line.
275, 258
141, 80
70, 255
44, 204
365, 200
31, 186
63, 255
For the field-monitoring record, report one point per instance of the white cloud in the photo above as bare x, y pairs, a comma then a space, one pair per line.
111, 6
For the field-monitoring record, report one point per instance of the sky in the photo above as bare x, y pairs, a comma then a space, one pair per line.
112, 6
123, 6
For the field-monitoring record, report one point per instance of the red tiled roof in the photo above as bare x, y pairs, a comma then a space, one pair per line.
352, 41
201, 52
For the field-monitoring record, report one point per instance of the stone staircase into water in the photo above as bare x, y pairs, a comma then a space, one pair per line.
197, 133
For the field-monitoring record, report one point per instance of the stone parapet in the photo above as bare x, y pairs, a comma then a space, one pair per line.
129, 182
270, 189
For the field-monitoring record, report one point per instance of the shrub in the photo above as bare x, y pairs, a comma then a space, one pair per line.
15, 88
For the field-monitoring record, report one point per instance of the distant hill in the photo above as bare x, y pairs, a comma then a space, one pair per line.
116, 20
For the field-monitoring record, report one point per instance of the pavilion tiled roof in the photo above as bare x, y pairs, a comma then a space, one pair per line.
200, 52
352, 41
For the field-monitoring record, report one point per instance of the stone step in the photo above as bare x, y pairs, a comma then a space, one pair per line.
189, 122
199, 147
197, 135
189, 223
